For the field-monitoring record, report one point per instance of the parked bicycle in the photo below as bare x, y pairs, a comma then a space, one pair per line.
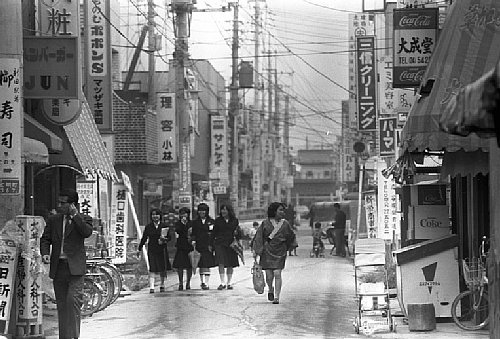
102, 285
470, 308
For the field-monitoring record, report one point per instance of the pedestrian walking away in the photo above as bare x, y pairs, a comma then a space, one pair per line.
202, 240
156, 234
272, 241
62, 245
183, 247
339, 231
226, 229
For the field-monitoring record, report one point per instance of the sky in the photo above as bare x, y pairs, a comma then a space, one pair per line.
308, 37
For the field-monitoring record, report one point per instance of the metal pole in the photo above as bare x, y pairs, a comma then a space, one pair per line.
256, 166
151, 57
360, 196
234, 113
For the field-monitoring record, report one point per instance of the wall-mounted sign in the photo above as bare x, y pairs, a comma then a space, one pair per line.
167, 136
415, 37
367, 83
51, 67
219, 157
62, 111
387, 136
119, 223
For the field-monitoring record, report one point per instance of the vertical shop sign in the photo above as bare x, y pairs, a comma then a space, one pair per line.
98, 61
87, 197
387, 96
219, 158
10, 127
29, 279
415, 37
367, 83
8, 264
387, 136
167, 140
119, 223
371, 214
388, 220
349, 165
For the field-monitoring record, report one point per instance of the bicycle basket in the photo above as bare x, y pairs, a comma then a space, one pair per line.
474, 271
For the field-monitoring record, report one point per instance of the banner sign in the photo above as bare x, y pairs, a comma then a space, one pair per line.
98, 57
349, 168
87, 197
388, 220
219, 159
415, 37
51, 67
119, 223
11, 135
367, 83
371, 214
167, 139
387, 94
8, 264
388, 136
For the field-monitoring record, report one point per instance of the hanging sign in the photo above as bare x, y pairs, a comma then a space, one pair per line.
167, 140
387, 136
367, 83
119, 223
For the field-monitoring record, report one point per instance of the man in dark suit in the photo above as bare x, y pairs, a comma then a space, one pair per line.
339, 230
65, 233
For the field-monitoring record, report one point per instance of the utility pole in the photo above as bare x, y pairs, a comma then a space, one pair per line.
182, 17
12, 174
151, 56
286, 147
275, 174
234, 105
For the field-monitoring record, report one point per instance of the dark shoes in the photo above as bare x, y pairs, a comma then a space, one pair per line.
221, 287
276, 301
151, 290
162, 289
229, 287
204, 287
270, 296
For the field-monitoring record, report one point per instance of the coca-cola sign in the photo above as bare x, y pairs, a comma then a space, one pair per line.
415, 37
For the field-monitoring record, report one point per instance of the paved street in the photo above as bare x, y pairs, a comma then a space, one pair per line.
317, 302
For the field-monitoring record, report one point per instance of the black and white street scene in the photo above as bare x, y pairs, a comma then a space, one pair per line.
249, 169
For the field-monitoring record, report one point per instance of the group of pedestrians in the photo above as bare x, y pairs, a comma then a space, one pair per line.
211, 238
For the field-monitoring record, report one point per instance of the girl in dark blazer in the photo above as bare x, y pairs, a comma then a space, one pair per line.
203, 242
225, 230
158, 234
183, 247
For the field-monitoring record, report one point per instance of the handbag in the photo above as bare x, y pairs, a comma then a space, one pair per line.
258, 278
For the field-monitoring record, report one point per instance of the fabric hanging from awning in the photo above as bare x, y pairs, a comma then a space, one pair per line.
35, 151
468, 46
465, 163
474, 108
88, 145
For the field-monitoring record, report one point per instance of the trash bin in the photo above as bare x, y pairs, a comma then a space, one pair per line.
427, 272
421, 317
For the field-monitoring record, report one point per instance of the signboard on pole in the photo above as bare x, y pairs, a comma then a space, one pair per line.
388, 220
8, 264
415, 37
387, 136
10, 127
367, 83
119, 223
371, 214
87, 197
167, 133
219, 159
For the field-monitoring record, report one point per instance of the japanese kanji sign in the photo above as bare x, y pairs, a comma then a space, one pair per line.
87, 197
367, 83
370, 198
10, 127
167, 136
415, 36
388, 136
8, 263
219, 158
349, 168
119, 223
388, 217
98, 61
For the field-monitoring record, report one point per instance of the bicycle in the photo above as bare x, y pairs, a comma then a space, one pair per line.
470, 308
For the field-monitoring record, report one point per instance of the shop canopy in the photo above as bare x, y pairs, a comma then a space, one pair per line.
35, 151
88, 145
468, 47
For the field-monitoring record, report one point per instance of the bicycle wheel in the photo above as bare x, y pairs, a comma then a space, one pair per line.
92, 297
117, 279
473, 309
105, 281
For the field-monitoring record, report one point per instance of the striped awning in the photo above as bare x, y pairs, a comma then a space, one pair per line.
468, 47
88, 145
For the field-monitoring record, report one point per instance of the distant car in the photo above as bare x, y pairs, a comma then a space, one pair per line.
302, 210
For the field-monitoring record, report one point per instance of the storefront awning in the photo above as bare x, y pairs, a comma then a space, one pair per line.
467, 48
35, 151
475, 108
35, 130
88, 146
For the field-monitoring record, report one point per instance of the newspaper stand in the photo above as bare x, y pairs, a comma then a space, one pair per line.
374, 310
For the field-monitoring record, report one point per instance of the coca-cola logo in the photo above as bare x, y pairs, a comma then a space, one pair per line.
412, 76
415, 21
